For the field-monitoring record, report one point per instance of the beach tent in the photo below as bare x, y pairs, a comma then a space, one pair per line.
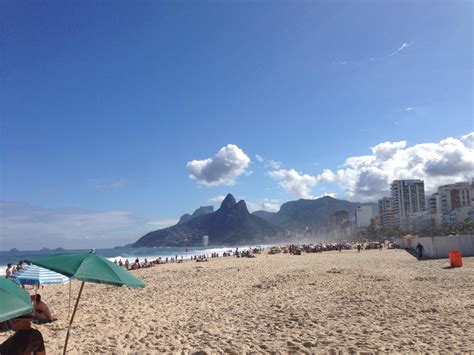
36, 275
14, 301
88, 267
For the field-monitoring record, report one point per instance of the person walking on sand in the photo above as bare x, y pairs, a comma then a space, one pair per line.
420, 249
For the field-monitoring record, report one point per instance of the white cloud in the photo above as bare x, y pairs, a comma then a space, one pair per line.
330, 194
28, 227
163, 223
270, 205
266, 204
268, 163
222, 169
387, 150
273, 164
401, 48
409, 109
366, 178
217, 200
294, 182
468, 140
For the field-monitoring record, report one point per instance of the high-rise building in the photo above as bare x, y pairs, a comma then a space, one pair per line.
455, 199
386, 212
341, 225
363, 216
456, 195
408, 196
433, 204
339, 219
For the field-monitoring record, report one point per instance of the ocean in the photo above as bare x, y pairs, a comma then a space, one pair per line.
117, 253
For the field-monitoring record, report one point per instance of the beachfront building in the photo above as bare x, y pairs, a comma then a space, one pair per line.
433, 204
363, 215
340, 225
386, 212
339, 218
452, 203
458, 215
408, 196
456, 195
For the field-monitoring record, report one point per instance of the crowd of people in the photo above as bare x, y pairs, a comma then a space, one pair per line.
137, 264
12, 268
294, 249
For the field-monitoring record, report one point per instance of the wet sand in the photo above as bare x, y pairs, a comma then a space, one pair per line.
315, 303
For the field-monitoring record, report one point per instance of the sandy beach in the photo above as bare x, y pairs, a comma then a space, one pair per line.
352, 302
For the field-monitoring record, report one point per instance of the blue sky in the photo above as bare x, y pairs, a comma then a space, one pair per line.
105, 105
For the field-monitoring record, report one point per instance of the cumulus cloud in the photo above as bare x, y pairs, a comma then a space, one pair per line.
24, 226
468, 140
387, 150
222, 169
294, 182
367, 177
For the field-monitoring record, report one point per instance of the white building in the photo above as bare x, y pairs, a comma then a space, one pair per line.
363, 216
408, 196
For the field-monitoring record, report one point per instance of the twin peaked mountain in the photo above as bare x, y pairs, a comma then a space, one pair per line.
232, 224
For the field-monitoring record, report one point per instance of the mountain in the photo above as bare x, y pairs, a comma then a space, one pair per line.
267, 216
200, 211
297, 215
230, 224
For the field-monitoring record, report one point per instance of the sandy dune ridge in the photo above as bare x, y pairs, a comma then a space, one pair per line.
353, 302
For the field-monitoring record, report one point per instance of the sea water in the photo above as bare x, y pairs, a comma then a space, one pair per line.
118, 253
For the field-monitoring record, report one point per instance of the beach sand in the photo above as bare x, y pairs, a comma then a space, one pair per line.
352, 302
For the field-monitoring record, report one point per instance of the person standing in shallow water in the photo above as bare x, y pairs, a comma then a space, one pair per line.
420, 249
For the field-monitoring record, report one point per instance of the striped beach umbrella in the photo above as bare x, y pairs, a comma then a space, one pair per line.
37, 275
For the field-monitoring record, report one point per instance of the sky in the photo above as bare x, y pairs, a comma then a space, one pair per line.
117, 117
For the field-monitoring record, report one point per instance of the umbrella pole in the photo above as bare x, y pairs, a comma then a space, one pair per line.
72, 317
69, 304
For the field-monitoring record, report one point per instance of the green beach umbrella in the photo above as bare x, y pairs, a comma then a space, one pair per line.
14, 301
88, 267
